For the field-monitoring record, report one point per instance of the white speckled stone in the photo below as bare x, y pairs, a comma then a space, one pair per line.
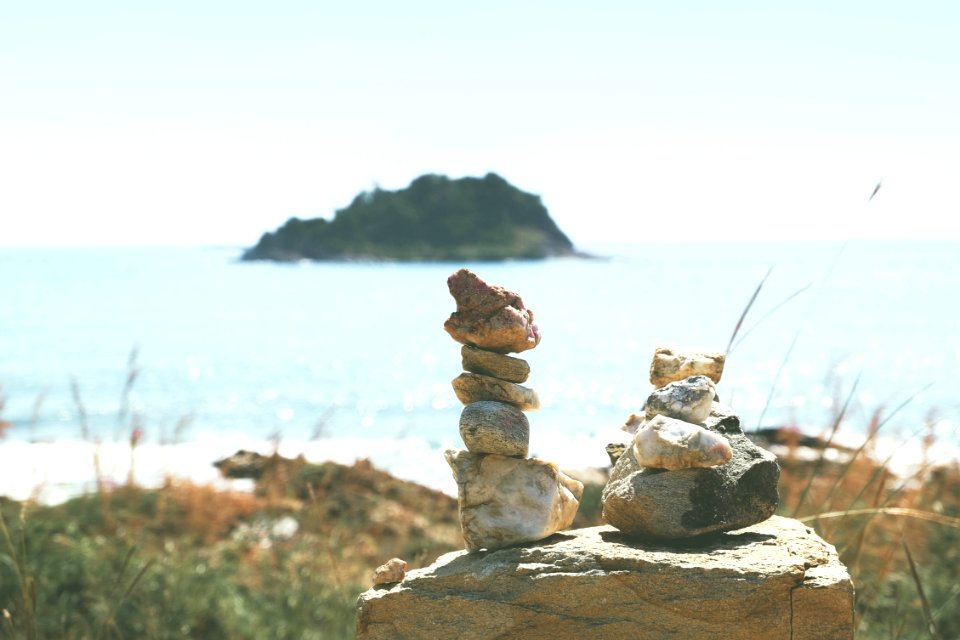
505, 501
689, 400
668, 443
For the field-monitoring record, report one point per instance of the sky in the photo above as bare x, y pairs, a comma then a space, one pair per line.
212, 122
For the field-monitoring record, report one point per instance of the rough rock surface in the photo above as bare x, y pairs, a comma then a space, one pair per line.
689, 400
495, 427
668, 443
670, 365
775, 580
690, 502
491, 363
489, 316
473, 387
615, 450
390, 572
505, 501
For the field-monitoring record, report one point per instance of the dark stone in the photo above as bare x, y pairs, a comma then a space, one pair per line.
692, 502
615, 450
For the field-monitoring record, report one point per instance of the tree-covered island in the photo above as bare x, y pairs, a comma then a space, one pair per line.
434, 219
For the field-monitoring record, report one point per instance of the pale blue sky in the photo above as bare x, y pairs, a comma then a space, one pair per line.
211, 122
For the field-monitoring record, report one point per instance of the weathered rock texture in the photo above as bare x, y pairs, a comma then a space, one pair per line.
490, 363
489, 316
690, 502
505, 501
473, 387
775, 580
389, 572
670, 365
495, 427
689, 400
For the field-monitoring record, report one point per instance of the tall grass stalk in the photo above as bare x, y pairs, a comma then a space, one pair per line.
823, 452
902, 512
17, 561
931, 624
746, 310
133, 371
782, 303
871, 436
796, 336
116, 602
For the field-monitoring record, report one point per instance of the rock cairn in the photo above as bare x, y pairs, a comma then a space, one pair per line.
505, 498
689, 469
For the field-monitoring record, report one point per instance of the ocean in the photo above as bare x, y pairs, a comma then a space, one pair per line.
350, 360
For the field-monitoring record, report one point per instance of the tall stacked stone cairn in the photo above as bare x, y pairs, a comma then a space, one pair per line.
505, 498
689, 469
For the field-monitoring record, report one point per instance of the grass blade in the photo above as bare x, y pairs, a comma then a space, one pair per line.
929, 516
823, 452
767, 315
133, 370
931, 625
866, 443
81, 409
746, 310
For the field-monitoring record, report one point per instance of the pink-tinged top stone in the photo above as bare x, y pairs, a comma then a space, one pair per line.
488, 316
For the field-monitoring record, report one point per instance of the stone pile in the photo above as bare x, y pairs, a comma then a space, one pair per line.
505, 498
775, 579
689, 469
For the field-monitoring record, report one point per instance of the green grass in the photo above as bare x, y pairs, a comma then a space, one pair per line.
190, 562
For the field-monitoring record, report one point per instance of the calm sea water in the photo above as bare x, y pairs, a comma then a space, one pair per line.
353, 357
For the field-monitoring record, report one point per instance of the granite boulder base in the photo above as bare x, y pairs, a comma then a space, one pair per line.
774, 580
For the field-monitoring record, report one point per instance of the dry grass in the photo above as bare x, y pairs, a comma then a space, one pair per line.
897, 536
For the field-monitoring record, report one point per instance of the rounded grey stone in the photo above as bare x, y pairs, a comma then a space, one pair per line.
494, 427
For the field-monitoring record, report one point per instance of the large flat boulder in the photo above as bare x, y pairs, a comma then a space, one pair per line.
776, 579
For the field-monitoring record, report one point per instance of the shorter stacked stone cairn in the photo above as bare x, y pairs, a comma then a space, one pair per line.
505, 498
689, 469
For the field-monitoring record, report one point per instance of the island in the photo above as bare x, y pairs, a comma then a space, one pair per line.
435, 218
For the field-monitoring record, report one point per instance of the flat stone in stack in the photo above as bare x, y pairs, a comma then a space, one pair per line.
670, 365
497, 365
473, 387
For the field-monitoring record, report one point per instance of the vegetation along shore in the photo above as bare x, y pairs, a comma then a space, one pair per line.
435, 218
